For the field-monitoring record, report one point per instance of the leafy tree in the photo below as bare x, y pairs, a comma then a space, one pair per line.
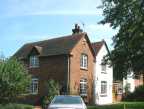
128, 53
52, 88
14, 79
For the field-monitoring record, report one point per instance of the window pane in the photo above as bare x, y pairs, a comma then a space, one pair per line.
83, 61
103, 87
34, 86
34, 61
83, 87
103, 68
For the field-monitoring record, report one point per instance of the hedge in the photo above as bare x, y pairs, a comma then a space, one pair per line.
15, 106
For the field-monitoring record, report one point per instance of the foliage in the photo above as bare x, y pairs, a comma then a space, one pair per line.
15, 106
128, 53
52, 88
14, 80
137, 95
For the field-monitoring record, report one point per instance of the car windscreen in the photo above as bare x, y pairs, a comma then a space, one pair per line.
67, 100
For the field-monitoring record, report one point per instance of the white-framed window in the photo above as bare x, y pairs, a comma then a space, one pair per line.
103, 68
103, 88
34, 86
84, 61
83, 87
34, 61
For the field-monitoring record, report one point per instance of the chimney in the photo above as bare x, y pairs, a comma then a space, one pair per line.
77, 29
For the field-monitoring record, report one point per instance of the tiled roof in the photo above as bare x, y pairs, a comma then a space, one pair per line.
56, 46
97, 46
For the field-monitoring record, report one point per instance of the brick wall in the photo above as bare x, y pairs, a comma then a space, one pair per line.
76, 73
52, 67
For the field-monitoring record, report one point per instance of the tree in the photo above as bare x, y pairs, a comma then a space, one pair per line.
14, 80
52, 88
128, 53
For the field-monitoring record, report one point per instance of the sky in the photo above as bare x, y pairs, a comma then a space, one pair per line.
24, 21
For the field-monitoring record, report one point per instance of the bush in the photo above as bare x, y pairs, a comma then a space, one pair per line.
14, 80
52, 90
15, 106
137, 95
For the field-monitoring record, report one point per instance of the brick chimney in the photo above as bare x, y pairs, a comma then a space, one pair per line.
77, 29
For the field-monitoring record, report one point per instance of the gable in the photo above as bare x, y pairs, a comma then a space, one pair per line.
97, 46
84, 46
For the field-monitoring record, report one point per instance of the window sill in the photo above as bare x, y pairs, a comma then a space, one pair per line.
103, 72
33, 94
33, 67
83, 95
103, 95
83, 68
27, 94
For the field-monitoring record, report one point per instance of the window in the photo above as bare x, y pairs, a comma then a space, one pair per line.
34, 86
83, 87
103, 87
34, 61
84, 61
103, 68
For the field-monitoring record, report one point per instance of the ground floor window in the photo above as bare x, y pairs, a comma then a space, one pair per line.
83, 87
34, 86
103, 88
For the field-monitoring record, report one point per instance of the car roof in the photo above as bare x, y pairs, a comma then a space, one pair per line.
67, 96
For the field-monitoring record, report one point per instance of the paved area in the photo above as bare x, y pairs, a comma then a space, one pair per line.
37, 107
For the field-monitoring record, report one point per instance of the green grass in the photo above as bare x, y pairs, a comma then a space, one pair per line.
15, 106
128, 105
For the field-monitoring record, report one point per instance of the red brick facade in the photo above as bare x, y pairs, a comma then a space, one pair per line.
65, 69
77, 73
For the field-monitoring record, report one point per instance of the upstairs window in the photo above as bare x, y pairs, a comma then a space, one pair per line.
83, 87
103, 88
34, 61
84, 61
103, 68
34, 86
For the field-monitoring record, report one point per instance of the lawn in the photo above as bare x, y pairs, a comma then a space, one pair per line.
128, 105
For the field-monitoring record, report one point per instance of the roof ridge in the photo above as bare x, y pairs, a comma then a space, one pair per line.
60, 37
54, 46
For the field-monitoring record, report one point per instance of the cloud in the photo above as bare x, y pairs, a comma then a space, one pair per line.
50, 7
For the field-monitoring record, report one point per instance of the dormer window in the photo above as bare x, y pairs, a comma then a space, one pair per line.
34, 61
84, 61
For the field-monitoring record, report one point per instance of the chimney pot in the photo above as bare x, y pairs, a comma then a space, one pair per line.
77, 29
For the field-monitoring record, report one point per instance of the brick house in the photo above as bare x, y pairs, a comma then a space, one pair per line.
68, 60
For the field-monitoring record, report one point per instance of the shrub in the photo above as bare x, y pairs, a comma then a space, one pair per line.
15, 106
137, 95
52, 90
14, 80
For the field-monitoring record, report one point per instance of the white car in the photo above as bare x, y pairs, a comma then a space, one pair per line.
67, 102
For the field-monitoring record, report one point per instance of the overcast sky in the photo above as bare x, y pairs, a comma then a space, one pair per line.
23, 21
